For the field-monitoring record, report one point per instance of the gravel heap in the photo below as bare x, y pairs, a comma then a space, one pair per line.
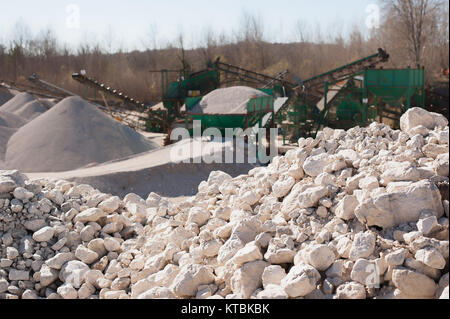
348, 215
70, 135
232, 100
31, 110
17, 102
5, 95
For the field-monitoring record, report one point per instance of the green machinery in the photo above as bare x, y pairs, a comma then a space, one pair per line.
189, 89
188, 85
357, 98
354, 94
299, 110
258, 109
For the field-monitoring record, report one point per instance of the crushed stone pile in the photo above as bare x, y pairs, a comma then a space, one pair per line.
17, 102
11, 120
5, 95
348, 215
232, 100
9, 123
13, 115
72, 134
31, 110
5, 134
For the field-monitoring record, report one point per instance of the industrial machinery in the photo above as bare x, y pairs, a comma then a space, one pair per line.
300, 108
310, 107
49, 87
354, 94
191, 87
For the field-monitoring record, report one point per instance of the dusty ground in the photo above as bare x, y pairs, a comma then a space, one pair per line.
152, 171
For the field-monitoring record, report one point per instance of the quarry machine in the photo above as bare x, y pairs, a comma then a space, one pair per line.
299, 108
144, 117
353, 94
191, 87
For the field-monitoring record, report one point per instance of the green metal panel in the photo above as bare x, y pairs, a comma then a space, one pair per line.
192, 101
261, 104
348, 109
393, 85
267, 91
222, 121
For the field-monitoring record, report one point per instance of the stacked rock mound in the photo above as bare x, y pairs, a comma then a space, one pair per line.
72, 134
230, 100
348, 215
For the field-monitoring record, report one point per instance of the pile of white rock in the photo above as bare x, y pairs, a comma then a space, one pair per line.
348, 215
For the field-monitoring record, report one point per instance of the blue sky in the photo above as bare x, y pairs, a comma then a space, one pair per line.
128, 23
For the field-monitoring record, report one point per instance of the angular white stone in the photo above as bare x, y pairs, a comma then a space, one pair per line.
351, 290
321, 257
388, 210
413, 283
189, 278
363, 246
249, 253
282, 187
430, 257
73, 273
346, 207
300, 281
110, 205
273, 275
426, 225
248, 278
86, 255
90, 215
417, 116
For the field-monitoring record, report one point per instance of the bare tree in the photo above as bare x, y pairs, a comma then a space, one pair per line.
416, 20
208, 44
302, 31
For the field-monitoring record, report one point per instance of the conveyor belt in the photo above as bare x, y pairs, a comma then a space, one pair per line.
153, 115
312, 86
105, 88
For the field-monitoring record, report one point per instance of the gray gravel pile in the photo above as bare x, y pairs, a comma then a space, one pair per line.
70, 135
232, 100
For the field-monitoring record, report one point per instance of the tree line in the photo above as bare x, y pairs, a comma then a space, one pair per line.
413, 32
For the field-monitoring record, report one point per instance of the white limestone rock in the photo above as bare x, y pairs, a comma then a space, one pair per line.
391, 209
248, 278
189, 278
417, 116
250, 252
431, 257
346, 207
283, 186
273, 275
321, 257
73, 273
413, 283
110, 205
363, 246
90, 215
300, 281
315, 165
351, 290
